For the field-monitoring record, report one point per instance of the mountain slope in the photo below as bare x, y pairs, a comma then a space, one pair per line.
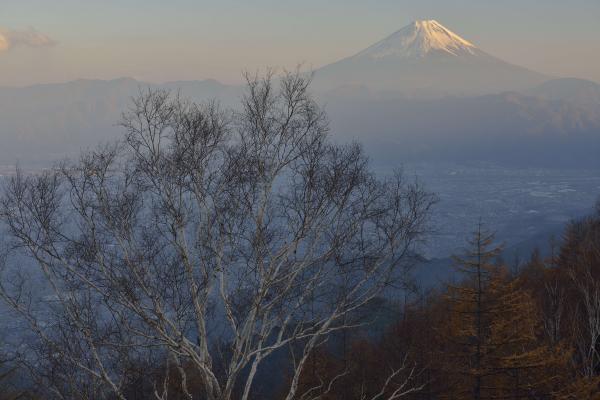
579, 92
425, 58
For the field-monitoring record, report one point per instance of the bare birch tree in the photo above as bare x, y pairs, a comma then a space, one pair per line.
207, 239
581, 256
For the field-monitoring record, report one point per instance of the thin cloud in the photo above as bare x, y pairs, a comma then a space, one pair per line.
30, 37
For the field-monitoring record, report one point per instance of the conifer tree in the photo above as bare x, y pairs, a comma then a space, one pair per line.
521, 363
495, 332
470, 305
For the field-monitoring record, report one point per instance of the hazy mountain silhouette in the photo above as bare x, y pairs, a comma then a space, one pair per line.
508, 128
43, 122
580, 92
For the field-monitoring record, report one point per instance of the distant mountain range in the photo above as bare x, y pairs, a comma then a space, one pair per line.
507, 128
423, 93
579, 92
41, 123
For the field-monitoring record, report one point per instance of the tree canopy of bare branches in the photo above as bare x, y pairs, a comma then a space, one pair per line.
208, 239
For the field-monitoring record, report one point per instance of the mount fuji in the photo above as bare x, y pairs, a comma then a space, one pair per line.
426, 58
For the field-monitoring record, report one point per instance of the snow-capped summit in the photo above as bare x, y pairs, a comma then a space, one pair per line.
426, 58
417, 40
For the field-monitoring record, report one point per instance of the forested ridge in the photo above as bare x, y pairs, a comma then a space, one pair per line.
527, 331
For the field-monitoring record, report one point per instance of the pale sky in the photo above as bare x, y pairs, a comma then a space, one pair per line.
44, 41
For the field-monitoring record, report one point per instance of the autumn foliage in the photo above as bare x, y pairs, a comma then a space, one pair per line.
499, 333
